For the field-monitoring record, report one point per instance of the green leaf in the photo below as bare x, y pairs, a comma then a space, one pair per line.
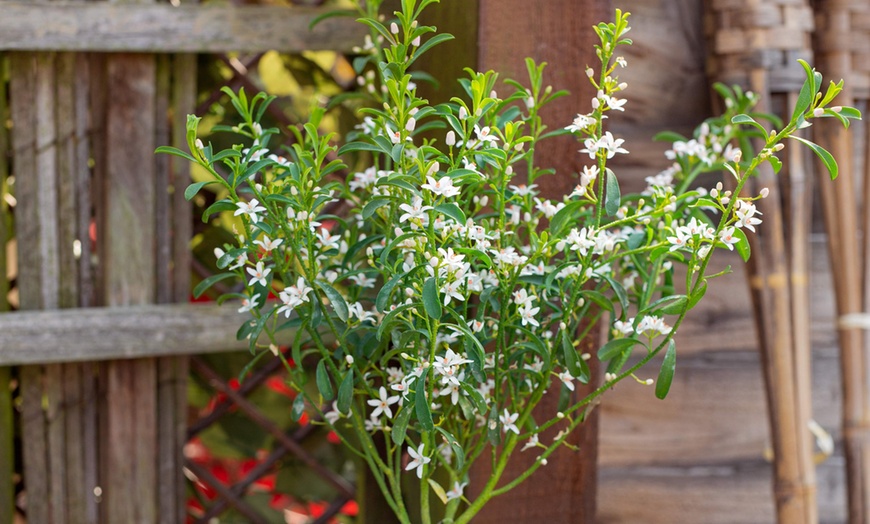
338, 303
400, 425
669, 136
619, 291
360, 146
742, 244
298, 407
453, 211
822, 153
372, 206
209, 282
746, 119
666, 374
345, 392
439, 491
429, 44
421, 406
572, 359
458, 453
174, 151
324, 385
331, 14
805, 97
431, 301
775, 163
670, 305
611, 196
616, 347
697, 295
194, 188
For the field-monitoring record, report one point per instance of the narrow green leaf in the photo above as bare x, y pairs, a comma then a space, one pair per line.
823, 154
666, 374
572, 360
431, 300
421, 406
174, 151
616, 347
697, 295
338, 303
458, 453
742, 244
805, 98
217, 207
209, 282
669, 136
194, 188
400, 425
429, 44
298, 407
360, 146
331, 14
746, 119
612, 197
438, 490
324, 385
345, 392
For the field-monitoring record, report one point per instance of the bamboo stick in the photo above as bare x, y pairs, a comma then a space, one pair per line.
841, 221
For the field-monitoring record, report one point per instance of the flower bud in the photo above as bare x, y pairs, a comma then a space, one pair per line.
450, 140
411, 124
348, 359
817, 112
416, 42
463, 114
560, 415
764, 192
394, 28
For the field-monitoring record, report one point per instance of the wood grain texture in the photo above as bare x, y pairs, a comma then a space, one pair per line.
161, 28
120, 333
559, 33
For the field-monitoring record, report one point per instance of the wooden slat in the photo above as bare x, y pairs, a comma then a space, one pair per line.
7, 431
120, 333
163, 28
24, 99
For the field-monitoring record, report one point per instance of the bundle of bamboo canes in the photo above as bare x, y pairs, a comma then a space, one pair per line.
842, 47
756, 44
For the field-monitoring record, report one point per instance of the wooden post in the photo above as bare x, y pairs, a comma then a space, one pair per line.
558, 32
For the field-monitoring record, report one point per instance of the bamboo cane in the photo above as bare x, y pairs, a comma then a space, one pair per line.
841, 221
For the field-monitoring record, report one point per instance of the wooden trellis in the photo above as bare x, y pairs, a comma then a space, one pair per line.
102, 438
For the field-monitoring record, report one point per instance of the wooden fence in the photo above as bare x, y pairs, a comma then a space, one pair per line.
102, 339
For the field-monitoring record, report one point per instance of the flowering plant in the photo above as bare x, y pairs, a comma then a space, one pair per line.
447, 297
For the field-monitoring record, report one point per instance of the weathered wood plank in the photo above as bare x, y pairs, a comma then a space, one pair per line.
7, 431
162, 28
23, 96
120, 333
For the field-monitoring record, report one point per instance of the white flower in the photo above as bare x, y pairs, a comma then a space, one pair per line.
509, 421
268, 245
567, 379
457, 490
611, 144
333, 415
727, 237
453, 391
444, 186
580, 123
745, 214
527, 315
532, 443
362, 280
680, 239
592, 147
382, 404
522, 298
625, 328
524, 190
249, 303
413, 211
654, 325
451, 290
293, 296
258, 274
249, 208
418, 460
326, 240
